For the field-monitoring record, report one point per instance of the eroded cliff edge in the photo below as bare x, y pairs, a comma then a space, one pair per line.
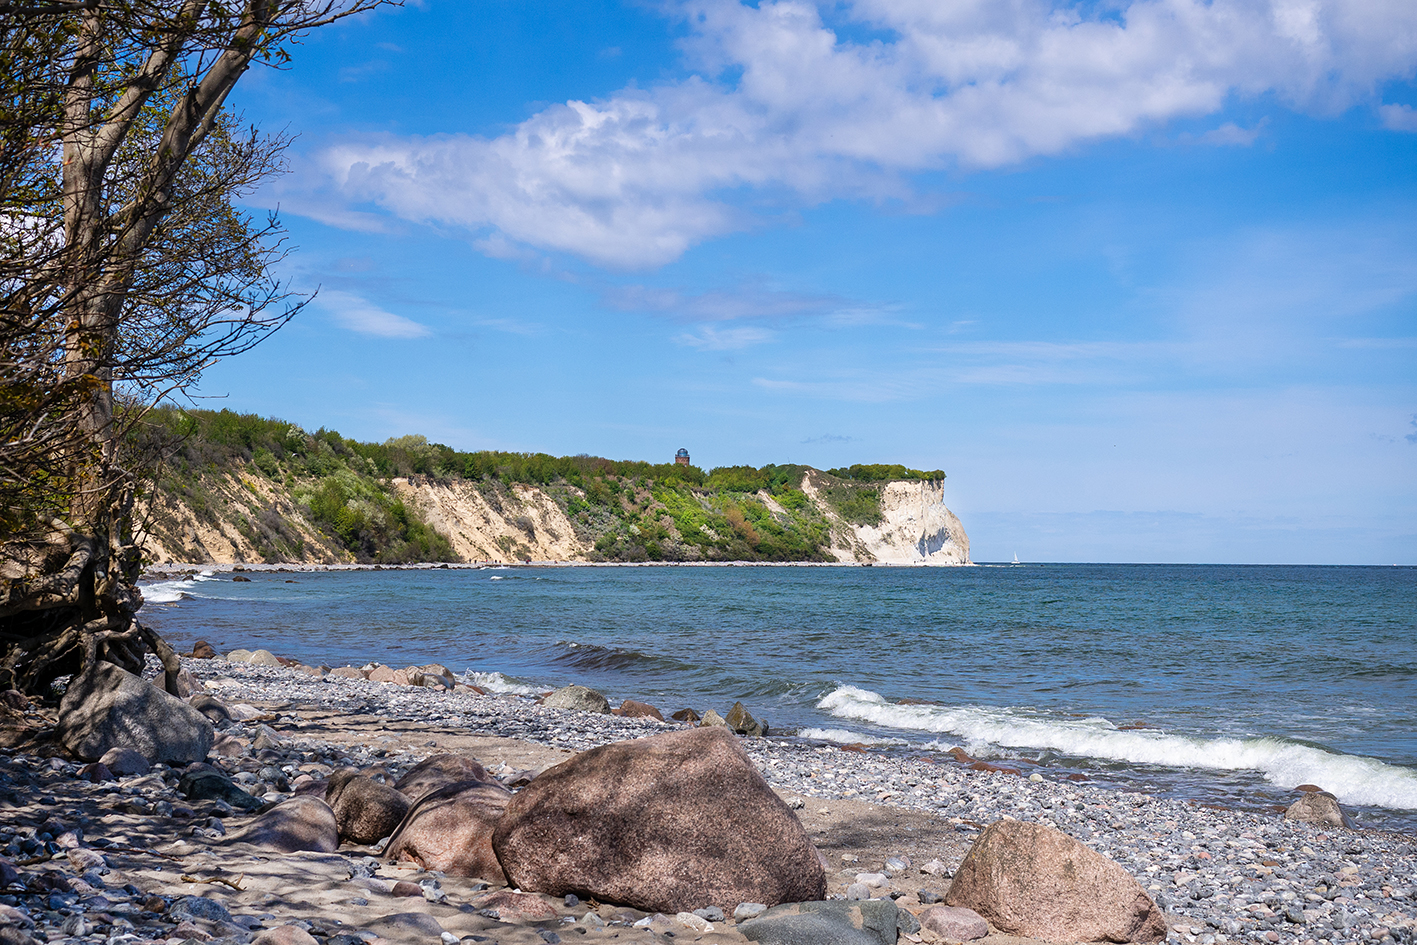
247, 518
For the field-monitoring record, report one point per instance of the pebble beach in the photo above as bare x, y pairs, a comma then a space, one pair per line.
121, 860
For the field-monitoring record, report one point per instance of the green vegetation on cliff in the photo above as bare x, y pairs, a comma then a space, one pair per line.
624, 510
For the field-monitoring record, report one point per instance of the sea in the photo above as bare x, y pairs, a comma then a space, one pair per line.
1216, 684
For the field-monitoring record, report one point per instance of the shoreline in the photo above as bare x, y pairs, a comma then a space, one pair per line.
176, 568
1220, 876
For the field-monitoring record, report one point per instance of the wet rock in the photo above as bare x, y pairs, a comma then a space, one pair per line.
107, 708
365, 810
437, 771
1036, 881
631, 709
606, 822
740, 720
202, 782
299, 824
825, 923
685, 715
202, 650
451, 829
578, 699
954, 923
124, 762
1319, 808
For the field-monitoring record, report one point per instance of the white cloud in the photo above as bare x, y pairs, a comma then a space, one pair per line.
785, 107
1398, 117
1232, 135
713, 338
363, 317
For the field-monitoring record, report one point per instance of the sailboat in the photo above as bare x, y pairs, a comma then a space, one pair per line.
1016, 560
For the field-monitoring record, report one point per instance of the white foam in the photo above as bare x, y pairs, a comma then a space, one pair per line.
842, 737
496, 682
1352, 778
165, 592
495, 577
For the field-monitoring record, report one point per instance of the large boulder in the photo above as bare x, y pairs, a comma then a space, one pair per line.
299, 824
670, 823
1036, 881
365, 810
107, 707
577, 699
1319, 808
450, 829
438, 771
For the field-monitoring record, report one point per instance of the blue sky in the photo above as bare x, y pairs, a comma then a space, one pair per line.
1141, 277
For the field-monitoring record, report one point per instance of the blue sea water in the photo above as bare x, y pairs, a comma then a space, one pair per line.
1226, 685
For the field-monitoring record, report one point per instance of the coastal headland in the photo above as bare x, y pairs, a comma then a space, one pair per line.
241, 489
92, 855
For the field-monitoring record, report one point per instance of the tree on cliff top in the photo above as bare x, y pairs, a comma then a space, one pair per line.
125, 270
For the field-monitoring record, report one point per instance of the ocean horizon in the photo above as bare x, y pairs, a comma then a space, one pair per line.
1220, 684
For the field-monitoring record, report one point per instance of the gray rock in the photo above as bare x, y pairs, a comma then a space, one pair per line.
197, 907
1319, 808
365, 810
210, 706
411, 927
299, 824
205, 783
875, 922
712, 719
742, 722
124, 762
108, 708
857, 892
579, 699
263, 658
954, 923
710, 913
239, 656
748, 910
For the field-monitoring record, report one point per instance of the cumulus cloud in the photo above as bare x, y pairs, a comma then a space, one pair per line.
785, 106
362, 316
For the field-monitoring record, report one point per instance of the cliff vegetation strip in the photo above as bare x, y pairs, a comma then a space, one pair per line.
244, 487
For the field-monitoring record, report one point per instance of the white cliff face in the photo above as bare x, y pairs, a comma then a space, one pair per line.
916, 528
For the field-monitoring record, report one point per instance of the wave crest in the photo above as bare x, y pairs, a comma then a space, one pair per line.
1354, 779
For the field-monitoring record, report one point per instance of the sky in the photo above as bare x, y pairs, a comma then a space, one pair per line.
1141, 277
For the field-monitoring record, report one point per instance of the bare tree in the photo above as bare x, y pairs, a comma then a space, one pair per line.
126, 268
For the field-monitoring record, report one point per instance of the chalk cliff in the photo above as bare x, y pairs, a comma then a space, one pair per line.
244, 518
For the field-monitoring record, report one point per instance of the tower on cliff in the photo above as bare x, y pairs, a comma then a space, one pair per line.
682, 457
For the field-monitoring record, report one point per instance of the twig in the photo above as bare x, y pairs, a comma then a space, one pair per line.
216, 879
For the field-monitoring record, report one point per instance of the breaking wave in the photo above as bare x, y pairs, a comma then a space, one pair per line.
1354, 779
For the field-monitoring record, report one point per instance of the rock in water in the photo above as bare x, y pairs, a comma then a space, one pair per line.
108, 708
670, 823
874, 922
450, 829
1036, 881
299, 824
1319, 808
365, 810
579, 699
741, 721
631, 709
437, 771
202, 650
